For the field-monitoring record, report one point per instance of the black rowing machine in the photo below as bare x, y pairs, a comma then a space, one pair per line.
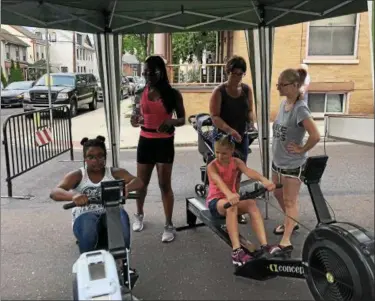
338, 260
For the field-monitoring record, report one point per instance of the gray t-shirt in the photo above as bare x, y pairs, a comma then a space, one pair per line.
288, 128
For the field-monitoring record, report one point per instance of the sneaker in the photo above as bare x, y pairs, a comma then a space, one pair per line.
240, 257
169, 233
138, 223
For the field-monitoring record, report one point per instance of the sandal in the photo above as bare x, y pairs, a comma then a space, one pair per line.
279, 230
281, 251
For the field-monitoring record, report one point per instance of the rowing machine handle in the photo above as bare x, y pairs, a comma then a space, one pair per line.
252, 194
69, 205
131, 195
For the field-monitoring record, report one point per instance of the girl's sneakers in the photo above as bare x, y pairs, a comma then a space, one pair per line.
240, 257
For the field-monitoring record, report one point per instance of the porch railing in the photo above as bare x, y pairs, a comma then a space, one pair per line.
197, 74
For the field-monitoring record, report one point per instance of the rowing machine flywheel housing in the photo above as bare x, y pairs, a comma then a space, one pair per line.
340, 262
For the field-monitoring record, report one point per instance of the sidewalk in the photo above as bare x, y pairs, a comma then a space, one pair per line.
93, 124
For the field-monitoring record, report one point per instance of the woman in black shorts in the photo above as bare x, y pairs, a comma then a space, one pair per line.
156, 142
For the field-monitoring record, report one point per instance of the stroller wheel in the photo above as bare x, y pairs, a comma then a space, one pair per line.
200, 190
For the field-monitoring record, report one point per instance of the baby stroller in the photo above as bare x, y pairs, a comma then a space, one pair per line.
202, 123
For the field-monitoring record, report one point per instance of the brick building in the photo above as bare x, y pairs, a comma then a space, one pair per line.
337, 52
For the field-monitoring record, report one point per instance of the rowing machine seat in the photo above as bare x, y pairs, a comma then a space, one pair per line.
206, 214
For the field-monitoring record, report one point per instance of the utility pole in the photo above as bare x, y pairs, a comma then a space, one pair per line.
74, 53
49, 79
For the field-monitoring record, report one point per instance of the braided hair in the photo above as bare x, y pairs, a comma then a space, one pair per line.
96, 142
167, 93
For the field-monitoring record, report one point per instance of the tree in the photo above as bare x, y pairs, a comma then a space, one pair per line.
139, 45
3, 79
16, 73
188, 44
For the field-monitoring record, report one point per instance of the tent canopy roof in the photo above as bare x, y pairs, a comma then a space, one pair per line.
153, 16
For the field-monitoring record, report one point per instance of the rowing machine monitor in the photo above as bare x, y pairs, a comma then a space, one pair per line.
96, 274
338, 260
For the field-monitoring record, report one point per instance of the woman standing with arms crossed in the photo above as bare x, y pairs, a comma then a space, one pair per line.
156, 142
289, 154
231, 109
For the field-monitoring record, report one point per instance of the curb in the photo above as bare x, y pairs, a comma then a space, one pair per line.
77, 145
189, 144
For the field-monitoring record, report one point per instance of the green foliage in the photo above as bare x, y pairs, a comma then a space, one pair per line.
187, 44
16, 73
3, 79
139, 45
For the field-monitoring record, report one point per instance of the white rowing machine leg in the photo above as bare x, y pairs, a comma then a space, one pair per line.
96, 277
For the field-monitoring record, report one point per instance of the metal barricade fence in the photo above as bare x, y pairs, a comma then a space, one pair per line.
33, 138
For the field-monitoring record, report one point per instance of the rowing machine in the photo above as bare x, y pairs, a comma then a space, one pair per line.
338, 260
196, 209
96, 274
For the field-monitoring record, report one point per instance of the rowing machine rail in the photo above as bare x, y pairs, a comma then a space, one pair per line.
338, 260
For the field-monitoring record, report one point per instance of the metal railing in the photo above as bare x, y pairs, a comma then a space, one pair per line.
33, 138
197, 74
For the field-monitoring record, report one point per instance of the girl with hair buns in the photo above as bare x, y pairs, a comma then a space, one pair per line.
83, 184
289, 152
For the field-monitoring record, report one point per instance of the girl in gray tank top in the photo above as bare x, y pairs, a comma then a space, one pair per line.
84, 185
289, 153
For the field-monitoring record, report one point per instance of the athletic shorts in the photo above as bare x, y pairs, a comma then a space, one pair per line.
212, 206
155, 150
292, 173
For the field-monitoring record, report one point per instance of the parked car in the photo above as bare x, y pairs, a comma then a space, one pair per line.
77, 90
141, 82
132, 84
124, 89
12, 94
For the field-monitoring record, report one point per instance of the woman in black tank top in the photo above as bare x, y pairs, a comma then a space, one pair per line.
231, 107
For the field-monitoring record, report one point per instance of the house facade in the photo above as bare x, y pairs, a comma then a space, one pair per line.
130, 65
71, 51
37, 46
12, 48
337, 52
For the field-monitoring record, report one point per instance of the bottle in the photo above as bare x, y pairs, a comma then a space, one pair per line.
136, 117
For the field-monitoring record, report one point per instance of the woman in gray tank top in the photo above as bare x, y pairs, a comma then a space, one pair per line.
289, 153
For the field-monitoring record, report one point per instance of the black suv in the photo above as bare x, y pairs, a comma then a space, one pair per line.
77, 90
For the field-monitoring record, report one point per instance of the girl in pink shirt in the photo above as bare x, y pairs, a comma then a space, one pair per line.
156, 142
222, 175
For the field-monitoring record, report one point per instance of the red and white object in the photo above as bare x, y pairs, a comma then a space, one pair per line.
43, 137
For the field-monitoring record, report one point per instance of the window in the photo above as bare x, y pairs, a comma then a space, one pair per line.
333, 37
7, 50
53, 37
57, 80
64, 69
79, 39
330, 103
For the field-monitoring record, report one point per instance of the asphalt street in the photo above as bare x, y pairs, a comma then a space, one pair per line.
38, 248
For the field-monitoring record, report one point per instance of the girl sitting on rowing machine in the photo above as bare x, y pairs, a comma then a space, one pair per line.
222, 175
